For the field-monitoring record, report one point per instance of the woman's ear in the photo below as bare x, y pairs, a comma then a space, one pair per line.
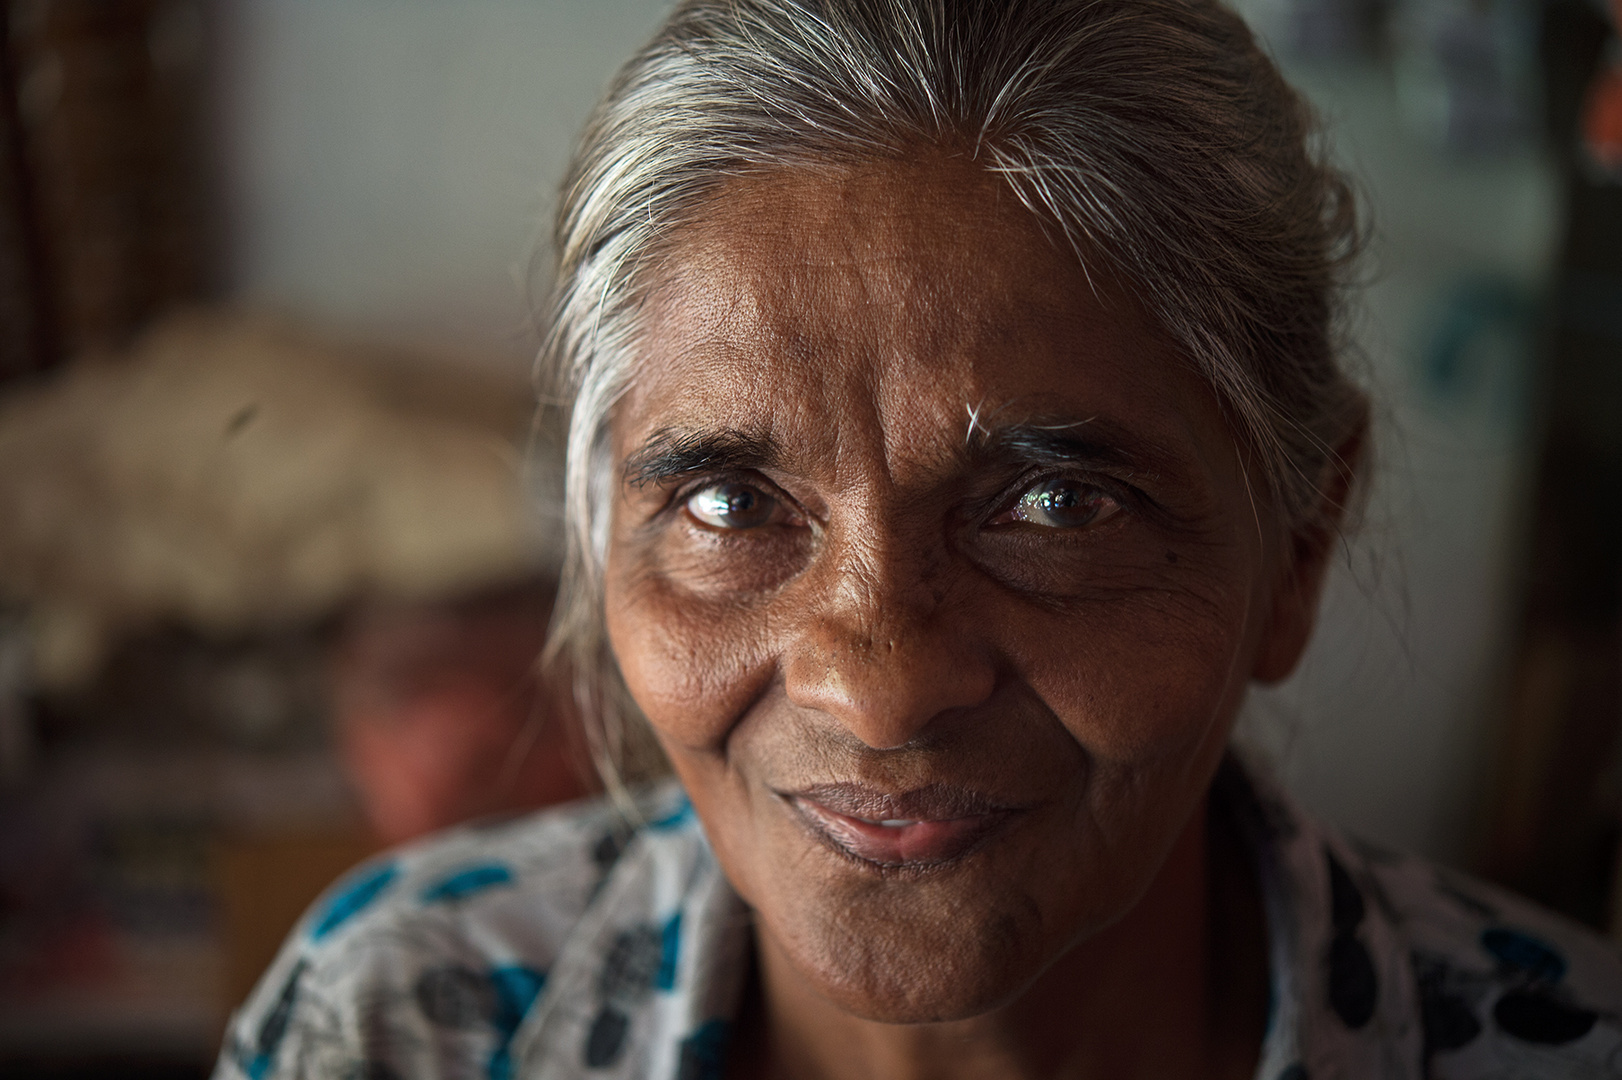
1305, 563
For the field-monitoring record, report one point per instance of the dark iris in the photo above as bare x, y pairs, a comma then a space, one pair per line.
1062, 504
732, 506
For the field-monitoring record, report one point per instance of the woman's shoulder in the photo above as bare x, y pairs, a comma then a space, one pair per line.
1391, 965
444, 943
1502, 983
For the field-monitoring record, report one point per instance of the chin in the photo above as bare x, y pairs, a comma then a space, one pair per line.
916, 990
915, 967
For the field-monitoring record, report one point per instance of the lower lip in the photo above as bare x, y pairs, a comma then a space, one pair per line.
899, 843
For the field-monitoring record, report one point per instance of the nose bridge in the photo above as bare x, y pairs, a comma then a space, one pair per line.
882, 579
881, 648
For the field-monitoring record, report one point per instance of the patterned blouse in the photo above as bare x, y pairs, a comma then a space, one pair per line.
568, 945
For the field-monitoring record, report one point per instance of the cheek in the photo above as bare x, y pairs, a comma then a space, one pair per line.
1147, 675
692, 665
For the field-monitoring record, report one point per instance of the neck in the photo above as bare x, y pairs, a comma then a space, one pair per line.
1177, 987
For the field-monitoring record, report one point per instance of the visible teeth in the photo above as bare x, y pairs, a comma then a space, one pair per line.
896, 822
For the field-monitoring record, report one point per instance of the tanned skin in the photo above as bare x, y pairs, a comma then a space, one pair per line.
940, 576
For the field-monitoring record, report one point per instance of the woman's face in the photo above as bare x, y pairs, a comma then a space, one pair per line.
938, 575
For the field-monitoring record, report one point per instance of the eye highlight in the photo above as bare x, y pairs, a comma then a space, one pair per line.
1061, 503
733, 505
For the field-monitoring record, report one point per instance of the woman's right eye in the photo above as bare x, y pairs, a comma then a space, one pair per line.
732, 505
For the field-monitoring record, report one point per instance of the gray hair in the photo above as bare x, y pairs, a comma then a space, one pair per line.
1154, 135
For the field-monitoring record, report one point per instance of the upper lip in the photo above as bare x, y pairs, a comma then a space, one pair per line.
931, 802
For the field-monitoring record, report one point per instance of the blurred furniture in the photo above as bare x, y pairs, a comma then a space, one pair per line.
228, 472
104, 218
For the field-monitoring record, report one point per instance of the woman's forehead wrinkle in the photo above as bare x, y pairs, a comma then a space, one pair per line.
860, 323
731, 365
883, 297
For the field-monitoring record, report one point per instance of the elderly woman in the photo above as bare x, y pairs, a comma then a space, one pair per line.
956, 432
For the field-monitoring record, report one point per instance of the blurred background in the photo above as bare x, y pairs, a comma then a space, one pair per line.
278, 530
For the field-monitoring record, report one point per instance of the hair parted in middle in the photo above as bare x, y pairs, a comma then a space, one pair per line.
1154, 137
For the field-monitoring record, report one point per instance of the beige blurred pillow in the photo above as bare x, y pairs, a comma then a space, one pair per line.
230, 473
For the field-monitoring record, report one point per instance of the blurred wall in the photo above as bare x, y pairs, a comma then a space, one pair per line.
395, 160
391, 162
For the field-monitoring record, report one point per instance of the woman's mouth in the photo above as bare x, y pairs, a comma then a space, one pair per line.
926, 826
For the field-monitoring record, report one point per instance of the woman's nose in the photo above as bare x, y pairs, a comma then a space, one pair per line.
884, 662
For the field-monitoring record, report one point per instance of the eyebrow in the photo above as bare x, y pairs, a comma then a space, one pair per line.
670, 454
1084, 442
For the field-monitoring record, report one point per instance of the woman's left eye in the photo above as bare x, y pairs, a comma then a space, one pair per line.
1061, 504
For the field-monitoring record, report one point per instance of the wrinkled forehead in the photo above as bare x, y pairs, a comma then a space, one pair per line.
914, 295
892, 232
903, 261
